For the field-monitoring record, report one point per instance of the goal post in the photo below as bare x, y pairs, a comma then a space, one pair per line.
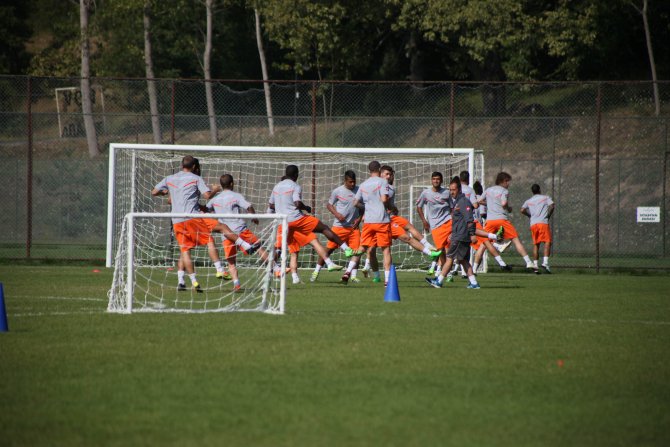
145, 270
134, 169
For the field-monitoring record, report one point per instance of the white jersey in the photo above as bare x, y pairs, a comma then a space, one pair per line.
538, 207
342, 199
230, 202
370, 194
469, 193
495, 196
184, 189
283, 197
437, 203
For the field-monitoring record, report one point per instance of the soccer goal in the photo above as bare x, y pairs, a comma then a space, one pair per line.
134, 169
145, 274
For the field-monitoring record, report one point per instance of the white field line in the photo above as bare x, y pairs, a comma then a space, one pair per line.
49, 314
65, 298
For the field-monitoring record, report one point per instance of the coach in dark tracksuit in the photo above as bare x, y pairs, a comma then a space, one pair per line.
462, 235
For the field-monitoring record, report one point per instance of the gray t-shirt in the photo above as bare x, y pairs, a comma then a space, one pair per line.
438, 208
495, 196
477, 212
538, 207
283, 196
184, 189
469, 193
342, 199
370, 194
230, 202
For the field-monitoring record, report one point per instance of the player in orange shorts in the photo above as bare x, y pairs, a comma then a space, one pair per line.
496, 200
437, 217
539, 208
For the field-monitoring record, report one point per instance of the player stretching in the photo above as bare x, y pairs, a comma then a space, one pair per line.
498, 207
438, 220
184, 189
347, 218
373, 196
231, 202
400, 227
463, 234
286, 199
540, 209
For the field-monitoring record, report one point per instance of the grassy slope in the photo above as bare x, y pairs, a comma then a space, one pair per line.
342, 367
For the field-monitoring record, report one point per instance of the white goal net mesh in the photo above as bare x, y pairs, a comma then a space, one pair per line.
146, 280
138, 168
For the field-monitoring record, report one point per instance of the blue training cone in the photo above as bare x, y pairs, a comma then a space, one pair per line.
392, 295
3, 312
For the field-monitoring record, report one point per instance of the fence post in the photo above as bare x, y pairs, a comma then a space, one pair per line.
29, 173
597, 193
172, 112
314, 114
451, 116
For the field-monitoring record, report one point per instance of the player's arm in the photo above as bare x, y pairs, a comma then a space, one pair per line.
330, 207
550, 212
251, 210
301, 206
525, 211
419, 211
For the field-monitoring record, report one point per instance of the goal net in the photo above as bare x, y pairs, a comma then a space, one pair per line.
136, 168
146, 280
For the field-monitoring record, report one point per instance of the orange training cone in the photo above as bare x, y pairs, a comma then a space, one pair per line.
392, 295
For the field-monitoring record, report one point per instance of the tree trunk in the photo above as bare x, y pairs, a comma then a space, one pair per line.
207, 61
149, 69
647, 34
86, 102
494, 96
264, 70
412, 51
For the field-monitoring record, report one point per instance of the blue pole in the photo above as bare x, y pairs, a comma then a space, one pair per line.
3, 312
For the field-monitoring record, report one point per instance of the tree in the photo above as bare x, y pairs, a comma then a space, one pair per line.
151, 83
206, 67
650, 52
14, 32
264, 70
86, 102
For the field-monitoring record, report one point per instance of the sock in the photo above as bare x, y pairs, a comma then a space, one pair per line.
180, 276
545, 260
424, 242
433, 265
440, 278
475, 266
318, 268
376, 274
354, 272
535, 262
454, 268
426, 250
463, 272
295, 277
236, 282
527, 259
351, 266
192, 276
329, 262
386, 276
344, 246
217, 265
244, 245
473, 279
500, 261
367, 265
493, 237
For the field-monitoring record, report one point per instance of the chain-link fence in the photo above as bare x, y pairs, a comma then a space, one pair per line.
558, 135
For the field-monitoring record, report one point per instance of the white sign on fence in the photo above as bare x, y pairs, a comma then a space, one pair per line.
648, 214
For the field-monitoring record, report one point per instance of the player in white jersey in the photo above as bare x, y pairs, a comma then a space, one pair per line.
437, 219
540, 209
480, 217
373, 196
231, 202
347, 219
498, 207
286, 199
184, 190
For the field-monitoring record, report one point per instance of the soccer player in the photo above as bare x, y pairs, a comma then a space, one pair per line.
347, 219
230, 202
373, 197
400, 227
540, 209
184, 189
286, 199
438, 209
463, 234
496, 199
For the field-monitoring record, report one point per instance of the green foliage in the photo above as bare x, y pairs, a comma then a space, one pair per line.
14, 31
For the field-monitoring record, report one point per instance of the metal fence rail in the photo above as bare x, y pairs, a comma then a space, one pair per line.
597, 148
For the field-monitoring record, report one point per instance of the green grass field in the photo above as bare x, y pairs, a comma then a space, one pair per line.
563, 359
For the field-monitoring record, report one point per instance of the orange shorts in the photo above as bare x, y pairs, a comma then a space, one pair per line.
229, 247
376, 235
441, 235
398, 225
493, 225
191, 233
211, 223
480, 239
352, 236
541, 233
295, 241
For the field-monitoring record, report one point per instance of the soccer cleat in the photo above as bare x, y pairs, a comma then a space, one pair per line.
196, 287
473, 286
349, 252
450, 278
314, 277
431, 271
376, 279
531, 268
297, 281
546, 268
254, 248
506, 268
500, 233
181, 287
224, 275
366, 271
345, 278
354, 280
435, 254
334, 267
501, 247
434, 282
237, 288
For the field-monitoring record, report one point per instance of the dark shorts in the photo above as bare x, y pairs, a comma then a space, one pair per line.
459, 250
